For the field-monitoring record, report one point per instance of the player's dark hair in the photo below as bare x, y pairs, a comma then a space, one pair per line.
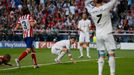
72, 37
7, 56
99, 1
25, 10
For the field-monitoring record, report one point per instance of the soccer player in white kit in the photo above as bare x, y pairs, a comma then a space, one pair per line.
62, 47
84, 37
101, 16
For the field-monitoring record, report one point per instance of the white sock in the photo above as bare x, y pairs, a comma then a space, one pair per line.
81, 51
88, 49
100, 66
112, 65
61, 55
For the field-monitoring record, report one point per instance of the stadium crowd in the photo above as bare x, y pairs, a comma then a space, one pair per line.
55, 15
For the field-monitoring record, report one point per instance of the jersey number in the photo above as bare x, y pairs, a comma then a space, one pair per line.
99, 16
24, 24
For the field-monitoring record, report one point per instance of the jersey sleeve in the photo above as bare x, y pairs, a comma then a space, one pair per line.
110, 4
79, 25
89, 23
18, 21
68, 47
88, 5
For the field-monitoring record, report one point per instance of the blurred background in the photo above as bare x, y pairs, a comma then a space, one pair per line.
56, 19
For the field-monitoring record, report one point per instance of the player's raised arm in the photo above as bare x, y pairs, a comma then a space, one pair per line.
17, 26
88, 5
32, 21
110, 4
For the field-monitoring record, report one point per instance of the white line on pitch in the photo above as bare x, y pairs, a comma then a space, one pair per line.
47, 64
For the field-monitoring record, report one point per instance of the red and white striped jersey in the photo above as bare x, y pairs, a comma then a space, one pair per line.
25, 23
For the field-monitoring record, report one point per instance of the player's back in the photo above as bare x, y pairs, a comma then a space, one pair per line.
101, 17
62, 43
25, 23
102, 20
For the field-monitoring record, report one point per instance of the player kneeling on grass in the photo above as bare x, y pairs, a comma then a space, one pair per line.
5, 59
62, 47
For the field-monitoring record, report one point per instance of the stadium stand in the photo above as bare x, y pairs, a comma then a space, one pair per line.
58, 18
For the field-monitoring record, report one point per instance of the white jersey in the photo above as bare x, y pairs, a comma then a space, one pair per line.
101, 16
62, 44
58, 46
84, 26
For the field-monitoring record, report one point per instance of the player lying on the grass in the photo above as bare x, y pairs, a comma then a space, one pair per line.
5, 59
27, 23
62, 47
84, 37
100, 14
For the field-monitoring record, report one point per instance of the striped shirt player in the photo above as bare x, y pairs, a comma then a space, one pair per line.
27, 23
100, 14
24, 21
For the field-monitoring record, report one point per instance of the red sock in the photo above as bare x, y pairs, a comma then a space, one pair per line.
33, 55
22, 55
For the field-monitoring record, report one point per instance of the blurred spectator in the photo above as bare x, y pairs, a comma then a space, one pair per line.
53, 15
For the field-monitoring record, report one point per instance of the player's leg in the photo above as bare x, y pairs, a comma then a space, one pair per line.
33, 55
101, 49
101, 54
88, 50
110, 45
24, 54
61, 54
58, 52
81, 49
81, 40
87, 45
111, 62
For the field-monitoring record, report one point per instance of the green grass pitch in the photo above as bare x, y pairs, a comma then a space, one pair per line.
84, 66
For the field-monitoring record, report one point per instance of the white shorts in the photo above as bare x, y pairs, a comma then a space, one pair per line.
84, 38
105, 42
55, 50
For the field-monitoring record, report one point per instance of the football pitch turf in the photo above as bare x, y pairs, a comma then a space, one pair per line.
84, 66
